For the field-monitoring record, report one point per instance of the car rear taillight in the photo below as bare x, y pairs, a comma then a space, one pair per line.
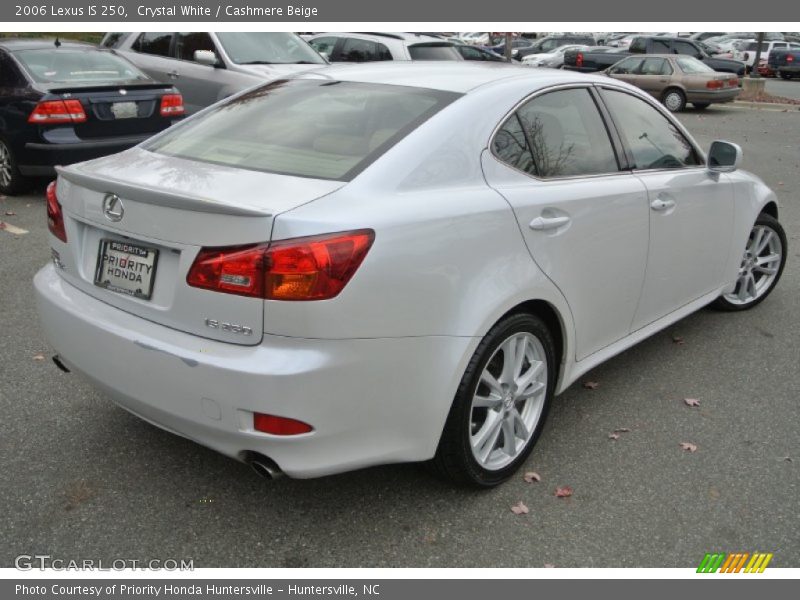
172, 105
50, 112
789, 58
733, 82
311, 268
579, 60
715, 84
55, 216
279, 425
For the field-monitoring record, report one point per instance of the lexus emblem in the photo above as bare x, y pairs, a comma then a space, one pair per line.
112, 208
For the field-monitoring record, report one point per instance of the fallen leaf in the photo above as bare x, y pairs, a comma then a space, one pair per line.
688, 446
2, 225
38, 357
676, 339
621, 430
780, 183
563, 492
10, 213
613, 436
691, 402
787, 459
549, 566
519, 508
532, 476
591, 385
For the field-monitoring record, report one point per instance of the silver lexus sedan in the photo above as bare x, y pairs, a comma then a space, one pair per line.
397, 262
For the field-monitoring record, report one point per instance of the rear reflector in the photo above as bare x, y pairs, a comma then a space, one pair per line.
279, 425
58, 111
55, 216
311, 268
171, 105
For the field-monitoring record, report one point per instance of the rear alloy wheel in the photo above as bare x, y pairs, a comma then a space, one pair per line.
761, 267
701, 105
501, 404
784, 75
11, 180
674, 100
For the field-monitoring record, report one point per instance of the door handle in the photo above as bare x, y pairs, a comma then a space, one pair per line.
544, 223
662, 204
173, 74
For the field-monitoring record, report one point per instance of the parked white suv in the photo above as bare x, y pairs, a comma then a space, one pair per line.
745, 50
207, 67
369, 47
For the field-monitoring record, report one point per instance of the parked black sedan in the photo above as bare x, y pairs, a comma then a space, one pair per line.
62, 103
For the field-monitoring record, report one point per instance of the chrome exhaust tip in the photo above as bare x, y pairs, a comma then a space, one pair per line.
263, 466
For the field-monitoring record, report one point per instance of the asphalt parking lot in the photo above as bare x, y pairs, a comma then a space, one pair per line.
83, 479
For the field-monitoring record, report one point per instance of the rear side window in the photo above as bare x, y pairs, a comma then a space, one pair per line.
308, 128
10, 77
355, 50
654, 141
153, 43
433, 52
74, 66
564, 136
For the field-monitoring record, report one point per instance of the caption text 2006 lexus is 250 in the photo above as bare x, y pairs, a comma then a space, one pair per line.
381, 263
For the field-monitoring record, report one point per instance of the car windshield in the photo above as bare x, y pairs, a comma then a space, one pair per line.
277, 47
692, 65
67, 65
308, 128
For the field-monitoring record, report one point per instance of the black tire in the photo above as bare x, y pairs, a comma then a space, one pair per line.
701, 105
12, 182
784, 75
454, 459
679, 102
763, 220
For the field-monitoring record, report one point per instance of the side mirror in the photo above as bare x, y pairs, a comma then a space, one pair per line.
724, 157
206, 57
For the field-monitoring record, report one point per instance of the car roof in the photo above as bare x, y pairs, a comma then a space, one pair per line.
402, 36
12, 45
450, 76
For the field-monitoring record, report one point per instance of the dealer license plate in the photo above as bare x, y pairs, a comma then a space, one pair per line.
124, 110
126, 268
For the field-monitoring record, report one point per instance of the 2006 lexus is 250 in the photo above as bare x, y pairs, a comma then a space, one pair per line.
369, 264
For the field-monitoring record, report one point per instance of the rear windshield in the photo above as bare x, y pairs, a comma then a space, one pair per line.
64, 65
433, 52
307, 128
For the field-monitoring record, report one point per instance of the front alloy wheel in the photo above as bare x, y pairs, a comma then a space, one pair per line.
501, 404
761, 266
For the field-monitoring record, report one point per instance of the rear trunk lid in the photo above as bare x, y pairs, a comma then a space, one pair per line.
136, 251
113, 111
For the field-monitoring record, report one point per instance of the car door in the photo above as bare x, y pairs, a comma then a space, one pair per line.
654, 75
151, 52
691, 209
627, 70
201, 85
584, 220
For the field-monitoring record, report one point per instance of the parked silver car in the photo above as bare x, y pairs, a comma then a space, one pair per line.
207, 67
371, 47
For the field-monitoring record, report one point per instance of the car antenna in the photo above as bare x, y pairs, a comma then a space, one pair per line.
57, 43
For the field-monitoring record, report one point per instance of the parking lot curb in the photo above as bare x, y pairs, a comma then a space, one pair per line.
766, 106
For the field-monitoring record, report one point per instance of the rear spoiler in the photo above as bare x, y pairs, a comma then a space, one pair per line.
158, 197
105, 87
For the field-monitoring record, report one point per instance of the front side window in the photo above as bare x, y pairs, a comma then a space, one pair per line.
685, 48
563, 136
355, 50
628, 66
187, 43
324, 45
654, 141
157, 43
308, 128
73, 66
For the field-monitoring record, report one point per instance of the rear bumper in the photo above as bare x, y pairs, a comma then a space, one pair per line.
794, 70
371, 401
41, 158
713, 96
